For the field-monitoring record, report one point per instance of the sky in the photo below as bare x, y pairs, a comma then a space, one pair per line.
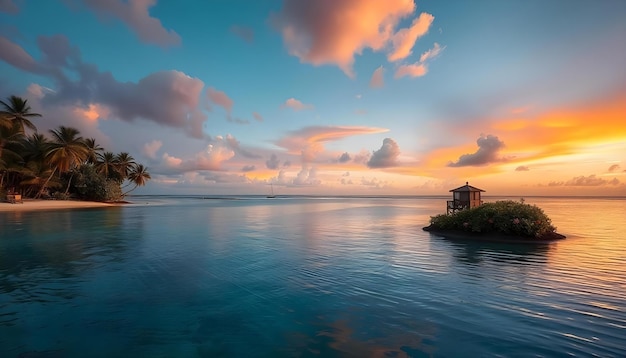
333, 97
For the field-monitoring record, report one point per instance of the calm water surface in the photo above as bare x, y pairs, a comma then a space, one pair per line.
306, 277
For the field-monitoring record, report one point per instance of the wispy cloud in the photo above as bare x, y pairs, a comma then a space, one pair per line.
377, 80
419, 68
136, 15
403, 40
591, 180
309, 141
296, 105
15, 55
257, 116
245, 33
220, 98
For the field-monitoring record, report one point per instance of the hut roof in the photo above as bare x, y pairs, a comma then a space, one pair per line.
467, 187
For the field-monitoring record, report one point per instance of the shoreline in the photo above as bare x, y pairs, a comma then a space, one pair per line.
494, 236
41, 204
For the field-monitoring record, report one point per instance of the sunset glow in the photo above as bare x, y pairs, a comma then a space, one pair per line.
336, 97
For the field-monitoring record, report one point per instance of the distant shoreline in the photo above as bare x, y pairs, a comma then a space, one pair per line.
36, 204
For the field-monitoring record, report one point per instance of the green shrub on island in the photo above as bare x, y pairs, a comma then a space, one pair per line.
503, 217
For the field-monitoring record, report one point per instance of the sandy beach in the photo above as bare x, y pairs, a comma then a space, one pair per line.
33, 204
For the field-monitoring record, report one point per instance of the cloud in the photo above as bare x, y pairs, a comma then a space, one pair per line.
377, 80
237, 120
9, 7
257, 116
210, 158
248, 168
488, 148
135, 14
334, 31
414, 70
309, 141
344, 158
374, 183
296, 105
15, 55
432, 53
220, 98
170, 161
386, 156
419, 68
245, 33
614, 168
273, 162
404, 39
150, 149
307, 177
522, 168
345, 181
591, 180
362, 157
232, 143
169, 98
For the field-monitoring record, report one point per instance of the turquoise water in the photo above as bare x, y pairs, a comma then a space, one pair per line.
306, 277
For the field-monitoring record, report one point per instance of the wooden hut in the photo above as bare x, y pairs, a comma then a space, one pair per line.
464, 197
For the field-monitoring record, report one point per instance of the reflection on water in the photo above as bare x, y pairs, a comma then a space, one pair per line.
306, 277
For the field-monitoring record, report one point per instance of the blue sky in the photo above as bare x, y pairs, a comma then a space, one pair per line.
334, 97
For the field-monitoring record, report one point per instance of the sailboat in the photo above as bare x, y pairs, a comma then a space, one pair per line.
272, 195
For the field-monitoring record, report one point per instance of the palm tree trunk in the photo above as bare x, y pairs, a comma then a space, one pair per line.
68, 184
135, 187
44, 184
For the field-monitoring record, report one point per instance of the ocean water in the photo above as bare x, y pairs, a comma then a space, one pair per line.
307, 277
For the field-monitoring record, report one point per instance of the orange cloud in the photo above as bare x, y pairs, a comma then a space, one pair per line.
309, 141
296, 105
404, 39
415, 70
567, 131
333, 32
551, 143
419, 68
377, 80
93, 112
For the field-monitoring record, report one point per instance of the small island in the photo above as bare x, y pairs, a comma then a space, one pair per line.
504, 221
61, 166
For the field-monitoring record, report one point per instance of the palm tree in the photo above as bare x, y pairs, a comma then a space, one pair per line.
106, 165
10, 142
35, 147
124, 163
94, 149
17, 110
67, 151
139, 176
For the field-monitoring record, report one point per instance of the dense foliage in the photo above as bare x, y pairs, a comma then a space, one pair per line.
506, 217
61, 165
